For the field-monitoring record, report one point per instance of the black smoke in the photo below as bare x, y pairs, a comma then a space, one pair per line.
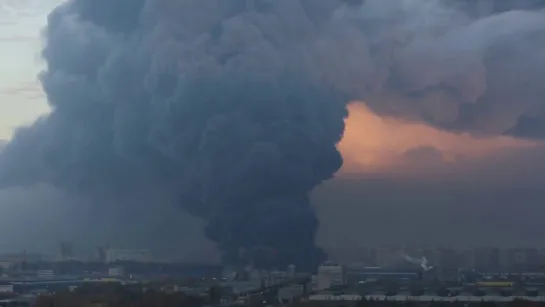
236, 106
212, 100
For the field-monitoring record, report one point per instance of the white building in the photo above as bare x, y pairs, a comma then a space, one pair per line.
138, 255
329, 275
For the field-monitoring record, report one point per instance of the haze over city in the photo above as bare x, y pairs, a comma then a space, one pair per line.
442, 144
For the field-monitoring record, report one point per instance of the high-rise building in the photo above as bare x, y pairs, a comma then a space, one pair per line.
101, 253
386, 257
291, 271
446, 258
330, 275
465, 258
66, 251
519, 258
487, 258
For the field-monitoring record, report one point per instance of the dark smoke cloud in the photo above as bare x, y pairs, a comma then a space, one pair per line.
238, 105
209, 99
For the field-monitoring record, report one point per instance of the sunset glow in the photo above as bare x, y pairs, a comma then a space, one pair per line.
373, 144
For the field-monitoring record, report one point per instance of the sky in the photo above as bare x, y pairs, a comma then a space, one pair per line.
468, 188
21, 97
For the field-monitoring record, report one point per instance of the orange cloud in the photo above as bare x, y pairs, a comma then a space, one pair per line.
373, 144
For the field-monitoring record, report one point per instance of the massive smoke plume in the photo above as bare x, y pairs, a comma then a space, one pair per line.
237, 105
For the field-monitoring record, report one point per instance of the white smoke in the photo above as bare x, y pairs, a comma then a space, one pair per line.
423, 261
